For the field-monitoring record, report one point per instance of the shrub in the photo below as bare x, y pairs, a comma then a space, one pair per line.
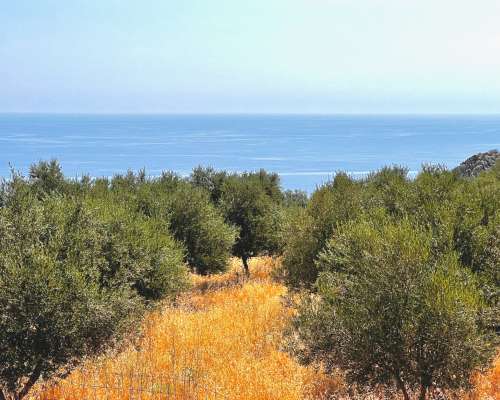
201, 227
247, 203
330, 205
140, 253
54, 309
388, 311
388, 188
174, 206
72, 273
300, 249
46, 177
295, 198
210, 180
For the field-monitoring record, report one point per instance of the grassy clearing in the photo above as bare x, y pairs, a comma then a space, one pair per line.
221, 341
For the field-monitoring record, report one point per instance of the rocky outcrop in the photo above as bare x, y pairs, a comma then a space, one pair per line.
478, 163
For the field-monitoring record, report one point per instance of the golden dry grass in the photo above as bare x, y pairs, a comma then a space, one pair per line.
487, 386
221, 341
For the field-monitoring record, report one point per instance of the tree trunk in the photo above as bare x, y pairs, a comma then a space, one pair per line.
402, 387
2, 395
423, 392
31, 381
245, 264
405, 392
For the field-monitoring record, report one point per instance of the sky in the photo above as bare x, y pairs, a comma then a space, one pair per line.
250, 56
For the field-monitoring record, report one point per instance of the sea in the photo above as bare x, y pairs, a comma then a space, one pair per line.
305, 150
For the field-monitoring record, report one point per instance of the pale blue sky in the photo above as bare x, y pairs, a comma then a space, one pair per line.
317, 56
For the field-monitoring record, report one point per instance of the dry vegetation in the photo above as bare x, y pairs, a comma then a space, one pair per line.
487, 386
220, 342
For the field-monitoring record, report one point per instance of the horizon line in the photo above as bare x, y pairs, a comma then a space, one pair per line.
139, 113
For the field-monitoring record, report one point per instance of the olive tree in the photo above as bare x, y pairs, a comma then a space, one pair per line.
307, 230
72, 276
249, 205
210, 180
53, 310
197, 223
47, 177
388, 312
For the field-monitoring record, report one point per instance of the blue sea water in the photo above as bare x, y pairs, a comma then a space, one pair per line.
305, 150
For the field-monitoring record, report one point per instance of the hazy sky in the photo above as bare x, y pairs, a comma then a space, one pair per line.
322, 56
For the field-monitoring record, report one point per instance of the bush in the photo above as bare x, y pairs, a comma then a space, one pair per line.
249, 203
295, 198
140, 253
330, 205
72, 274
46, 177
210, 180
201, 227
174, 206
388, 188
54, 309
300, 249
389, 311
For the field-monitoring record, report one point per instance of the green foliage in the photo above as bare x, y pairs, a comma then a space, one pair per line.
210, 180
402, 273
46, 177
173, 205
388, 310
403, 276
300, 249
461, 214
249, 202
388, 188
140, 253
54, 309
73, 272
254, 203
201, 227
295, 198
330, 205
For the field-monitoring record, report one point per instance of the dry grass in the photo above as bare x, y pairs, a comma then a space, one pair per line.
220, 342
487, 386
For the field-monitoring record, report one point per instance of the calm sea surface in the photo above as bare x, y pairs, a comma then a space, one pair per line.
304, 150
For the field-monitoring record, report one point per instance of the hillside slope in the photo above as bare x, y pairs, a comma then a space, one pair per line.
222, 341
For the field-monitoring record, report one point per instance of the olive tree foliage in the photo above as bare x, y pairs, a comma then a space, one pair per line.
140, 253
307, 231
210, 180
388, 311
197, 223
403, 276
47, 177
387, 188
53, 307
476, 235
461, 214
251, 203
295, 198
73, 274
179, 207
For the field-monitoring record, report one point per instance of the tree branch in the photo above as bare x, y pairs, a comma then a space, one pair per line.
402, 386
31, 381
